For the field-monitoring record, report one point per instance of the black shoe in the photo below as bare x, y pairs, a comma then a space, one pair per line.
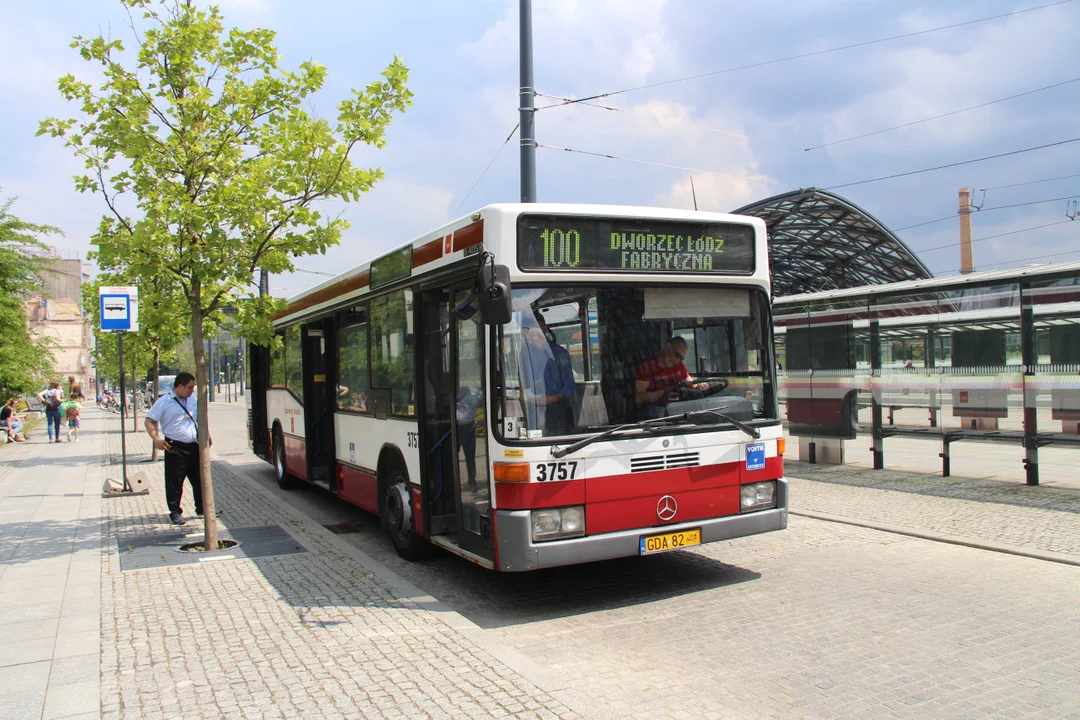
176, 518
199, 513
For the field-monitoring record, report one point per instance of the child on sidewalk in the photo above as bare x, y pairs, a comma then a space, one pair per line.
72, 411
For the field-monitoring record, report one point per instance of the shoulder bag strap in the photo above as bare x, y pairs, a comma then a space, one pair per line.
184, 408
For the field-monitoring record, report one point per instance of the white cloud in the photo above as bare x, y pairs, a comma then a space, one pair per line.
394, 213
603, 40
967, 69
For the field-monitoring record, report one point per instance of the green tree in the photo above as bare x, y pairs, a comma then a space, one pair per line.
25, 361
211, 165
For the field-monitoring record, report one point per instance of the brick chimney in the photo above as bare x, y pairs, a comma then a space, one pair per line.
967, 262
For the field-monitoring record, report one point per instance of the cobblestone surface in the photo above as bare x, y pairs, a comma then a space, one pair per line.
312, 635
1040, 518
822, 620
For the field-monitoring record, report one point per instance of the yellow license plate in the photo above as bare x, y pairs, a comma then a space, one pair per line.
670, 541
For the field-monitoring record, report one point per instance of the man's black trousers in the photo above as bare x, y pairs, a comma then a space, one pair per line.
182, 462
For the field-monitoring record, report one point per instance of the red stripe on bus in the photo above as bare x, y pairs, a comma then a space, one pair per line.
774, 468
417, 511
661, 482
469, 235
359, 488
428, 252
296, 456
348, 285
641, 512
625, 502
525, 496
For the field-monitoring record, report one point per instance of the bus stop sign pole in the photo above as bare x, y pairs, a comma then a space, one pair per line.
123, 411
119, 313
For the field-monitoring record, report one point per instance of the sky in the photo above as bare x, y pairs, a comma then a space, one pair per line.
741, 134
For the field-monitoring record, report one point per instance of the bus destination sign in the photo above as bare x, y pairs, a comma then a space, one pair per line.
569, 243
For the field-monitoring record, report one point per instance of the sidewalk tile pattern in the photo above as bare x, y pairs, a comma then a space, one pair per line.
307, 635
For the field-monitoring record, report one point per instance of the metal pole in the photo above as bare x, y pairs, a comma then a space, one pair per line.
526, 97
241, 363
123, 412
213, 369
1029, 351
228, 381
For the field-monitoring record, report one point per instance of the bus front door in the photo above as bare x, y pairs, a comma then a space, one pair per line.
454, 435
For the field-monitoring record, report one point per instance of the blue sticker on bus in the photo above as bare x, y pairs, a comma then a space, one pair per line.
755, 456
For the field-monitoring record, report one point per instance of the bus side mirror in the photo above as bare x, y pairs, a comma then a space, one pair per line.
494, 294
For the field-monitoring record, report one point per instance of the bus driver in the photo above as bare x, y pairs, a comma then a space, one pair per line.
658, 374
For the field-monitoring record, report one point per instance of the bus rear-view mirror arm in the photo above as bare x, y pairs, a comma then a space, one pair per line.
494, 294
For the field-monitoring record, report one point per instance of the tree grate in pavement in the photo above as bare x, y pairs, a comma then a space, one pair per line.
143, 552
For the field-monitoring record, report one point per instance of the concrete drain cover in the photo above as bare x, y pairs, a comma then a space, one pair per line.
141, 552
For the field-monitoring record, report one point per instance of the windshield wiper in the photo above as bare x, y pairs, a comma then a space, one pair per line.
748, 429
644, 424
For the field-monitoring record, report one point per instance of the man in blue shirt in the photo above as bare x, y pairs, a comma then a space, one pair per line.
549, 379
173, 426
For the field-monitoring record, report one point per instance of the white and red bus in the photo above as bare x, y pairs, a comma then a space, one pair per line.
539, 385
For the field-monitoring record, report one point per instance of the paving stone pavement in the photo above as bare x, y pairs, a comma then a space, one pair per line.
1042, 517
50, 582
309, 635
822, 620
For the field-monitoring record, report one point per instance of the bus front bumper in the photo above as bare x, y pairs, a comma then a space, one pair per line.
517, 551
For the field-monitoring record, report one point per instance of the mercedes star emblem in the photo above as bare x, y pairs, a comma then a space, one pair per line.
666, 508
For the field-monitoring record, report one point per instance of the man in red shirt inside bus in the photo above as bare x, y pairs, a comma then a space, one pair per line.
657, 375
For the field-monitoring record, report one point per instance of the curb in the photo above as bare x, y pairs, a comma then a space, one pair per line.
1044, 555
543, 678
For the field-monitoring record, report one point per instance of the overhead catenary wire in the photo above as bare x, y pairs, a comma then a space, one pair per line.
486, 168
986, 210
992, 237
942, 115
1030, 182
663, 165
955, 164
815, 53
732, 133
1018, 260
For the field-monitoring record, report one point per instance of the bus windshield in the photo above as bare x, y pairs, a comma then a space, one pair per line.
580, 359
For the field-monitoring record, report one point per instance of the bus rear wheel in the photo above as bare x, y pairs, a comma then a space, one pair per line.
285, 481
398, 518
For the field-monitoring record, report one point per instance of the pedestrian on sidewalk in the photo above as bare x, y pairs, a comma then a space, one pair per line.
72, 412
172, 425
10, 415
52, 398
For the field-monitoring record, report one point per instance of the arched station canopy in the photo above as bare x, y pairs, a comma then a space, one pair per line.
821, 241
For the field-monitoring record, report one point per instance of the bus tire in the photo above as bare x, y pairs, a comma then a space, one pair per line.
285, 481
396, 511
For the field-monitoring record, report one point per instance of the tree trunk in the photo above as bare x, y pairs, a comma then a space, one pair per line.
209, 513
157, 372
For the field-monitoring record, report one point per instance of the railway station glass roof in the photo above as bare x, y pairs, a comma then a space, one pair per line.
821, 241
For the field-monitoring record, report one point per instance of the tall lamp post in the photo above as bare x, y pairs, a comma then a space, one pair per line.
526, 107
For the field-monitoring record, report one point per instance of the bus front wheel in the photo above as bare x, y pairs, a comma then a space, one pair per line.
397, 513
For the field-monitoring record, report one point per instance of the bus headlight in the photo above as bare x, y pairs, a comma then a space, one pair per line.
757, 496
558, 523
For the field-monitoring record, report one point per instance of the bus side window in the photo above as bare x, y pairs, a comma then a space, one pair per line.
391, 350
353, 390
277, 365
294, 377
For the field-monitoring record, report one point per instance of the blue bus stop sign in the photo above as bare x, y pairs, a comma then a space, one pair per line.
119, 309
